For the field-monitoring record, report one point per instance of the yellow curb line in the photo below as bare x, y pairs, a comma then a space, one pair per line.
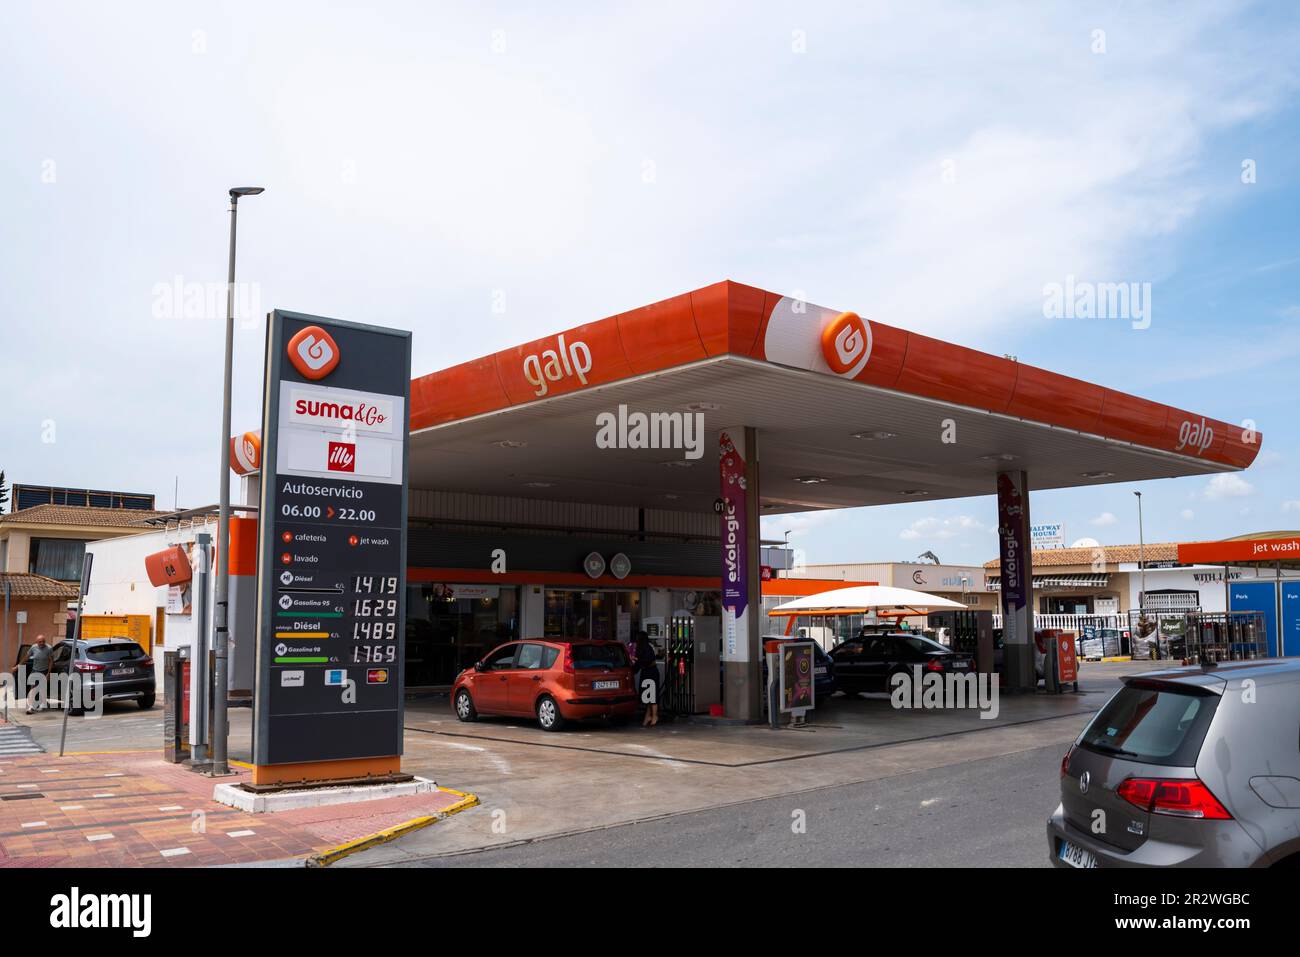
328, 857
1119, 658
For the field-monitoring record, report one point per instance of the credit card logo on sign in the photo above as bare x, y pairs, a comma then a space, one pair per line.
336, 677
292, 679
377, 676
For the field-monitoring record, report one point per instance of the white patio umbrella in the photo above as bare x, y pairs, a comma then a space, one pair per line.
861, 599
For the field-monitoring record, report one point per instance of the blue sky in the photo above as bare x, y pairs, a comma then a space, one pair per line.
929, 165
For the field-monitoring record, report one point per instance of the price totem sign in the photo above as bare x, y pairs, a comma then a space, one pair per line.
332, 550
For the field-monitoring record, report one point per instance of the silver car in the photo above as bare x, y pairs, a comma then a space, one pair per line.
1196, 767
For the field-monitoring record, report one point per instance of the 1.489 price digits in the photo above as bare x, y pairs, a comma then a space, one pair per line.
374, 630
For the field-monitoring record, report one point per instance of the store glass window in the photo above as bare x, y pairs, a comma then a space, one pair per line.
449, 627
603, 615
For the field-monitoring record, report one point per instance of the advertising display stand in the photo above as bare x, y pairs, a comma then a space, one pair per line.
331, 608
1062, 666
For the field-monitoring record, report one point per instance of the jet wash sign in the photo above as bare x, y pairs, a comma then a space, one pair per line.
332, 541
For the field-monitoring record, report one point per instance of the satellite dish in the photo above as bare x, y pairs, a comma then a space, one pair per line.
1086, 543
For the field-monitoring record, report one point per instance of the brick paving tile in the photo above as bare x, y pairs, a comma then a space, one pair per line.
123, 795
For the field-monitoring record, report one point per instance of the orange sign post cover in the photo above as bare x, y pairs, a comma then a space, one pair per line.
1067, 661
168, 567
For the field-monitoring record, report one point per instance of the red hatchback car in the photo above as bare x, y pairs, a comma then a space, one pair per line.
555, 680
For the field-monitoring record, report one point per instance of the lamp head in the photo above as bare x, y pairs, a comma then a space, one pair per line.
239, 191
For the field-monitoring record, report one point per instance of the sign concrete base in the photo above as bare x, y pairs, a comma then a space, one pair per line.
234, 795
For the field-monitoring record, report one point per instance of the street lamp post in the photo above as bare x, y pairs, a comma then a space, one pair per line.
1142, 557
220, 723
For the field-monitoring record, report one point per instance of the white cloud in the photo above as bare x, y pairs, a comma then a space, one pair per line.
1105, 518
942, 529
1187, 514
798, 524
1227, 485
1292, 505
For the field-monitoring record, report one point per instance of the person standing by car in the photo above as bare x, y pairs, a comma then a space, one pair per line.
647, 677
38, 663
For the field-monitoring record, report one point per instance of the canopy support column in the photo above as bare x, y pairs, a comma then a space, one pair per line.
742, 588
1017, 582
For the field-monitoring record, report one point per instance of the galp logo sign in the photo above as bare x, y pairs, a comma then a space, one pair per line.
552, 365
846, 344
1195, 436
313, 352
246, 453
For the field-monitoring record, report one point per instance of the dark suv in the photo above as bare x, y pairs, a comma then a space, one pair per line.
120, 668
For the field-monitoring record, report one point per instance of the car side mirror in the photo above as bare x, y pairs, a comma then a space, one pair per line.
478, 666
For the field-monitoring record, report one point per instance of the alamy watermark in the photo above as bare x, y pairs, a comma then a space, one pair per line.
651, 430
936, 690
1076, 299
75, 691
180, 299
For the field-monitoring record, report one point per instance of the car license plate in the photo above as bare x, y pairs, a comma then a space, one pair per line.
961, 665
819, 671
604, 685
118, 672
1076, 856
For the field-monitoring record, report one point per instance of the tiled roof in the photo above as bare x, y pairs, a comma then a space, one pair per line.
80, 515
1110, 554
26, 585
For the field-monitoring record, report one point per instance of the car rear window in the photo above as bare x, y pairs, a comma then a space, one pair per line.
923, 645
124, 651
599, 656
1153, 724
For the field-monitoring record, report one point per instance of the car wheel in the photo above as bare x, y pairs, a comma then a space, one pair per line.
465, 709
548, 714
145, 701
889, 679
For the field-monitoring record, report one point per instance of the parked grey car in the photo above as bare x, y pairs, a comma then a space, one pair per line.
1196, 767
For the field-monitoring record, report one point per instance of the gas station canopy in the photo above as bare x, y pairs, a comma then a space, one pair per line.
850, 413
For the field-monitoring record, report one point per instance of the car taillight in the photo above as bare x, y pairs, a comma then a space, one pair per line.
568, 659
1175, 797
1065, 762
934, 664
146, 660
87, 666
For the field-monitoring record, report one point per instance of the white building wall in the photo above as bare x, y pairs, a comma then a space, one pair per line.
1207, 580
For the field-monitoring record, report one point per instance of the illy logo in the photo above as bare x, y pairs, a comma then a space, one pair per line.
313, 352
342, 457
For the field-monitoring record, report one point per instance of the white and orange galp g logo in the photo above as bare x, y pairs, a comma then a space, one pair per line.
246, 453
313, 352
846, 344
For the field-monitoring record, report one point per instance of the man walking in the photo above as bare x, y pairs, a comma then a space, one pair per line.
38, 663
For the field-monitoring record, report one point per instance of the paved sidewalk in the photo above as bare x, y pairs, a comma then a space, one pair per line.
131, 809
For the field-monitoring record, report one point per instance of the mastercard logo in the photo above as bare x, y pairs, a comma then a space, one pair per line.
846, 344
